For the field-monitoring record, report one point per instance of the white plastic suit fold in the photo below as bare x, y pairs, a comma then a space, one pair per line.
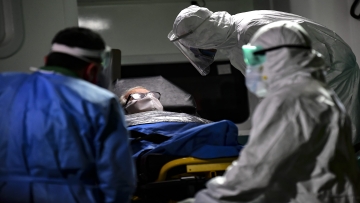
300, 149
228, 33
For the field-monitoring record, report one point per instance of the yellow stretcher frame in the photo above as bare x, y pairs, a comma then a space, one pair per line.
194, 165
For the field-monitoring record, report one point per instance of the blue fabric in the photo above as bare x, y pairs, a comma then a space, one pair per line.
62, 140
205, 141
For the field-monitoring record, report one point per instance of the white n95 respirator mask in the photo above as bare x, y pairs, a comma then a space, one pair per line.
148, 103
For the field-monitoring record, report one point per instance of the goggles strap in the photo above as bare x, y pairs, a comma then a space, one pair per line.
75, 51
263, 51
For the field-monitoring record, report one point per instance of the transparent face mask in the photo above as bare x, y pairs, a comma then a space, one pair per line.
105, 75
106, 57
201, 59
207, 53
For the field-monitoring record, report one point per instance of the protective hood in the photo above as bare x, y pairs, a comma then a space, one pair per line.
342, 70
299, 148
287, 65
198, 27
215, 30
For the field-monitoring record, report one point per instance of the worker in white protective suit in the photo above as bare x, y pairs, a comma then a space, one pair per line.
300, 149
199, 33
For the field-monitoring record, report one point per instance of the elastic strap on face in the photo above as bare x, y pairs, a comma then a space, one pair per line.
127, 100
263, 51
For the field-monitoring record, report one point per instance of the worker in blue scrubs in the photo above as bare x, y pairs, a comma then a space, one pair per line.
62, 137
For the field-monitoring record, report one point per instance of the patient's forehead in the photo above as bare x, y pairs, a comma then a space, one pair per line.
136, 90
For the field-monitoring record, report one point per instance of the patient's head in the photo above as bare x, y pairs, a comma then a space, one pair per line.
139, 99
138, 89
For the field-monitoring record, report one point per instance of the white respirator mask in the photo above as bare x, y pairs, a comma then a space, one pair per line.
148, 103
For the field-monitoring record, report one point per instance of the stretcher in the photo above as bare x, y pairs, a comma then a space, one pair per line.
174, 163
170, 179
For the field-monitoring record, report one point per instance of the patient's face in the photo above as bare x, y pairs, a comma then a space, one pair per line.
137, 90
141, 100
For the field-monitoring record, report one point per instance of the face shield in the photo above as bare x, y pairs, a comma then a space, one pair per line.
104, 73
201, 59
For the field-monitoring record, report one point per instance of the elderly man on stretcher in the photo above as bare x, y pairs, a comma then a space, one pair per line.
171, 133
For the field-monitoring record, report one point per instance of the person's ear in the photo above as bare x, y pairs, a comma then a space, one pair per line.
91, 72
45, 59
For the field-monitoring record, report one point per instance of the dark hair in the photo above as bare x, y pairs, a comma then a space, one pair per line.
75, 37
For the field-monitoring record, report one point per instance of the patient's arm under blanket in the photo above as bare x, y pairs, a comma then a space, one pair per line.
162, 116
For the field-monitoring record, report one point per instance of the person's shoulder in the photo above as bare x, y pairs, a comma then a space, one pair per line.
252, 20
300, 95
7, 79
313, 99
260, 14
13, 75
78, 89
89, 91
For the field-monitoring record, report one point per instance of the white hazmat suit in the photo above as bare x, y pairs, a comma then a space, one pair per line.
300, 150
198, 27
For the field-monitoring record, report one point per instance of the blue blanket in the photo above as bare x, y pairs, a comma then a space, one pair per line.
205, 141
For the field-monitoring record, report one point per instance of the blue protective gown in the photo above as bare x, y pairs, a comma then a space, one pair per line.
62, 140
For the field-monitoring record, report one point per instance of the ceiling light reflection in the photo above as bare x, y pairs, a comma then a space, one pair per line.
96, 24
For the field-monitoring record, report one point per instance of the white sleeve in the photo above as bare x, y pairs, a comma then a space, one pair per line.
270, 152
